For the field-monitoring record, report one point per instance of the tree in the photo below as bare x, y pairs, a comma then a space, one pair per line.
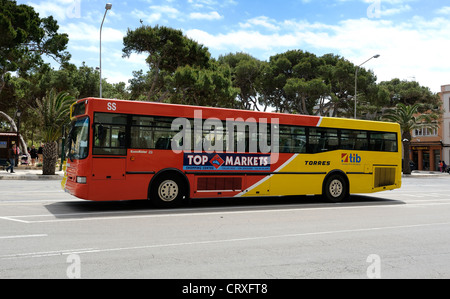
409, 93
25, 37
300, 82
305, 94
409, 119
339, 73
167, 49
139, 85
246, 74
53, 111
295, 64
203, 87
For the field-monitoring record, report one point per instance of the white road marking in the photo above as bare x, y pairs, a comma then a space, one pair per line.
208, 242
45, 253
23, 236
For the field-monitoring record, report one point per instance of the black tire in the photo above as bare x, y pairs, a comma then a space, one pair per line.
167, 191
335, 188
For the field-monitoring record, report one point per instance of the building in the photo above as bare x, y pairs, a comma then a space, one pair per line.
7, 139
429, 146
445, 98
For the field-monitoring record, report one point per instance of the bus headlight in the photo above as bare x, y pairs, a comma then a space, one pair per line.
81, 180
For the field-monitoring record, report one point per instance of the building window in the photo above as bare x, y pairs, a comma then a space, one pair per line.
425, 132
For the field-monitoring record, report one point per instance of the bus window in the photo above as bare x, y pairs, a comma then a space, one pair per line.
142, 132
383, 142
110, 134
292, 139
354, 140
323, 140
78, 139
142, 137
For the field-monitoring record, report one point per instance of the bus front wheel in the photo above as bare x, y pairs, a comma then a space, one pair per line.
335, 188
167, 191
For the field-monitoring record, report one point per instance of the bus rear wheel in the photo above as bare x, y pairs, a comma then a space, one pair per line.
335, 188
167, 191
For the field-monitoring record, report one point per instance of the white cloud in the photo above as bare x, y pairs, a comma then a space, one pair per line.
444, 10
57, 9
214, 15
91, 49
168, 11
90, 33
395, 11
262, 21
211, 4
157, 13
137, 60
149, 18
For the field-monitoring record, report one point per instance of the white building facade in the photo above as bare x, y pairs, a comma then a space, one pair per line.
445, 97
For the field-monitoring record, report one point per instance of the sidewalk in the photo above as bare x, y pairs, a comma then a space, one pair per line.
425, 173
29, 173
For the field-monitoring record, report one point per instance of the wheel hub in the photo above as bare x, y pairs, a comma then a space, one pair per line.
336, 188
168, 190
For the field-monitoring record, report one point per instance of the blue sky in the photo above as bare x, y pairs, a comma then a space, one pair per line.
411, 36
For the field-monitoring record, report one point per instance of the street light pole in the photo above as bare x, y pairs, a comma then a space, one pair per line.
18, 114
356, 77
107, 7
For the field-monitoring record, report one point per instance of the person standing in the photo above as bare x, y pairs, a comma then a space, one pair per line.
12, 154
33, 155
40, 153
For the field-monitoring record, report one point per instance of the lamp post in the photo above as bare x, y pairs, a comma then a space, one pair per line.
18, 114
356, 77
107, 7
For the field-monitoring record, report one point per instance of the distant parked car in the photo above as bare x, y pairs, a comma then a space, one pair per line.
412, 165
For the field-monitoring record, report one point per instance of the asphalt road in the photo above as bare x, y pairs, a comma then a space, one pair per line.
46, 233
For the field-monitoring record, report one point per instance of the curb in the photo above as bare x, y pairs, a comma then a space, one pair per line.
32, 177
425, 174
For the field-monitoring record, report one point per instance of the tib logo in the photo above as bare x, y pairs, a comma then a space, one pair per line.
350, 158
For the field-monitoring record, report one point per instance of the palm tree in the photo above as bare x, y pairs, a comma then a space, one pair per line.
53, 112
409, 120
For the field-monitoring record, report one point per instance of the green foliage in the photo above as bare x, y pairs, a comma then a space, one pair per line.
181, 70
202, 87
246, 78
53, 112
25, 37
167, 48
409, 93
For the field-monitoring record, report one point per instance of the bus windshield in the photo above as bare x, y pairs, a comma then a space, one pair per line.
78, 142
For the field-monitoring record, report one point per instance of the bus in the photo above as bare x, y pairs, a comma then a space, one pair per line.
127, 150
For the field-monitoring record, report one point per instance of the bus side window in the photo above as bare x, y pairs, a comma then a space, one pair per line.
102, 136
142, 137
163, 143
